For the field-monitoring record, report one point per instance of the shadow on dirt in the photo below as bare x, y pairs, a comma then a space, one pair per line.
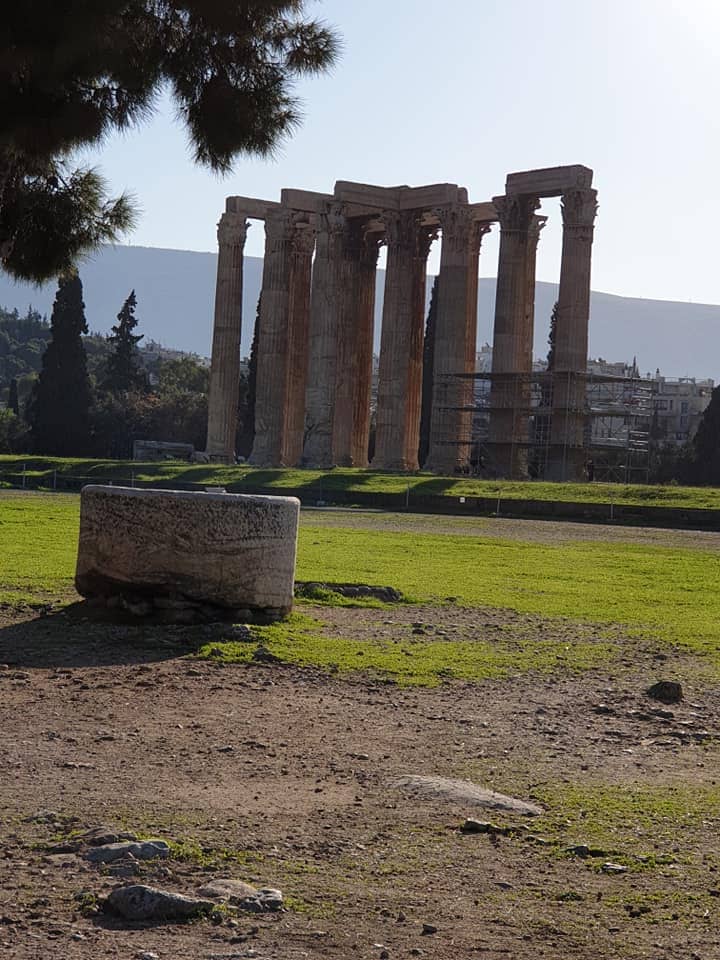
77, 636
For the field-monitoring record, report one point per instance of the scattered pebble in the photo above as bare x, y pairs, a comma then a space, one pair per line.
666, 691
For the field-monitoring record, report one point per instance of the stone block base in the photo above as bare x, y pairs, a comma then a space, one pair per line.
184, 557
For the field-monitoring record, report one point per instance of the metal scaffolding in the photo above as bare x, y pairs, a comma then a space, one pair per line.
615, 412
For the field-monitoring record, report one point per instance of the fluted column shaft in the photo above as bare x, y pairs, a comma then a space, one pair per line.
351, 422
303, 242
509, 422
284, 278
566, 459
326, 329
455, 340
401, 344
364, 348
227, 327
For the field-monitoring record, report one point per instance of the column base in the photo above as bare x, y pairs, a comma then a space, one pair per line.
508, 461
565, 466
396, 466
209, 456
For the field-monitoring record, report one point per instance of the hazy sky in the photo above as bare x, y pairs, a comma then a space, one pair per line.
465, 91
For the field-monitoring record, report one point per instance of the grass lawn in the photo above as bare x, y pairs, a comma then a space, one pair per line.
321, 484
668, 594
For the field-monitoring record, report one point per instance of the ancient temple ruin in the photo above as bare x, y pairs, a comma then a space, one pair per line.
315, 335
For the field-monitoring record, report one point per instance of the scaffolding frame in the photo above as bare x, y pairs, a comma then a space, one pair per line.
616, 418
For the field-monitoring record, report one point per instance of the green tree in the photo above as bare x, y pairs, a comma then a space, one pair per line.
13, 433
704, 461
182, 375
427, 374
73, 71
13, 399
543, 419
552, 335
246, 420
174, 409
124, 369
59, 408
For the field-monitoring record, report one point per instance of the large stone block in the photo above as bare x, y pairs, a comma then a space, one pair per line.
166, 547
549, 182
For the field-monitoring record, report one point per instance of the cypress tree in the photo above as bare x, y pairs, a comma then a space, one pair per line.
59, 412
246, 433
124, 371
551, 337
13, 399
427, 375
704, 464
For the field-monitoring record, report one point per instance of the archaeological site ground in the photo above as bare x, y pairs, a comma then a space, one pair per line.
513, 654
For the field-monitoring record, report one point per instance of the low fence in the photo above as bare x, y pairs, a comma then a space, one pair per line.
317, 495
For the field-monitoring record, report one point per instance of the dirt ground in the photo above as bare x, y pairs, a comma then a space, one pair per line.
283, 777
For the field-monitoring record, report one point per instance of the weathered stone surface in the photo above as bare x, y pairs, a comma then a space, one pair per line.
225, 366
227, 889
567, 442
242, 895
463, 792
138, 902
401, 343
549, 181
140, 850
226, 550
283, 338
455, 337
666, 691
512, 351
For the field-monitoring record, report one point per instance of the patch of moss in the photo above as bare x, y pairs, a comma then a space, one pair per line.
299, 640
641, 827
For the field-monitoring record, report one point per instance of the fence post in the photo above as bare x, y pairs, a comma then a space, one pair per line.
54, 479
407, 496
23, 477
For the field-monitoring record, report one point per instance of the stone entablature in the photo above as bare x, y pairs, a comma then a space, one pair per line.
316, 321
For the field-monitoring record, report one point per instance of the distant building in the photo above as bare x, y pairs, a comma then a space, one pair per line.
678, 406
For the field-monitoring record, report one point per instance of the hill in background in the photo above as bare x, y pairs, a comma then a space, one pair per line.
176, 289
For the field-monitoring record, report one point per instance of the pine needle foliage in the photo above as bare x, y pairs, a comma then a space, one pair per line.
74, 71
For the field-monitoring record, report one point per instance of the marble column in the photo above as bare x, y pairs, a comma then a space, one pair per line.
351, 422
567, 456
373, 240
284, 276
509, 420
329, 276
225, 362
303, 244
527, 336
455, 340
401, 343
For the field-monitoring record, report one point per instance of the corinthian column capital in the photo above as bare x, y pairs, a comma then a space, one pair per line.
303, 238
579, 207
536, 226
232, 230
455, 223
400, 227
515, 213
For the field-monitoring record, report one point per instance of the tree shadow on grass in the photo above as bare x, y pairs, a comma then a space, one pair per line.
79, 636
